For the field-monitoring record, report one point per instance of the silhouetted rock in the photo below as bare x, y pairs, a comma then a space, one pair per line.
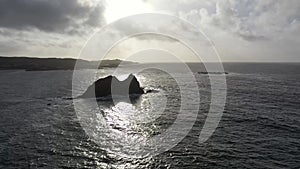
111, 85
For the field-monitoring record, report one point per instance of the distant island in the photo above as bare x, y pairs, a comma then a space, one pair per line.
44, 64
213, 73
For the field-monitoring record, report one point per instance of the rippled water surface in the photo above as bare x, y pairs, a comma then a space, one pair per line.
260, 127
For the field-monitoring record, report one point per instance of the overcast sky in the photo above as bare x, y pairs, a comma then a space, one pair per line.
241, 30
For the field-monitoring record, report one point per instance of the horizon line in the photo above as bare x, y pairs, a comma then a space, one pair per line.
73, 58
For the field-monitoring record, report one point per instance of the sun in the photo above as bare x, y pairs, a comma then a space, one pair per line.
116, 9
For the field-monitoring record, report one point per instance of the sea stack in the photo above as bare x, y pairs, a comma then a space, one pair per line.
111, 85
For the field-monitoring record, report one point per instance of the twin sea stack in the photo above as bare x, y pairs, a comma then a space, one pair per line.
111, 85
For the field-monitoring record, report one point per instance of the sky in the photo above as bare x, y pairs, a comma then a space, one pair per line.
241, 30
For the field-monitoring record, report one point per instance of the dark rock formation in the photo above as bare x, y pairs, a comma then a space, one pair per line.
111, 85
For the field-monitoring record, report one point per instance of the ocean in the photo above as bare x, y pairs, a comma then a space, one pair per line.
260, 126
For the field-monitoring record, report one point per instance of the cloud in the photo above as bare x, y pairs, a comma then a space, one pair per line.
250, 20
226, 18
240, 29
155, 29
39, 43
245, 30
47, 28
61, 16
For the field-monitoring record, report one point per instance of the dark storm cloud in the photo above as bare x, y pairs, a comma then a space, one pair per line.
49, 15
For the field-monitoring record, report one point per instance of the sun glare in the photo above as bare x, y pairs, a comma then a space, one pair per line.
116, 9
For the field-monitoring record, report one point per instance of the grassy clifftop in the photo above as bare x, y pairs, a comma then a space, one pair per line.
37, 64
